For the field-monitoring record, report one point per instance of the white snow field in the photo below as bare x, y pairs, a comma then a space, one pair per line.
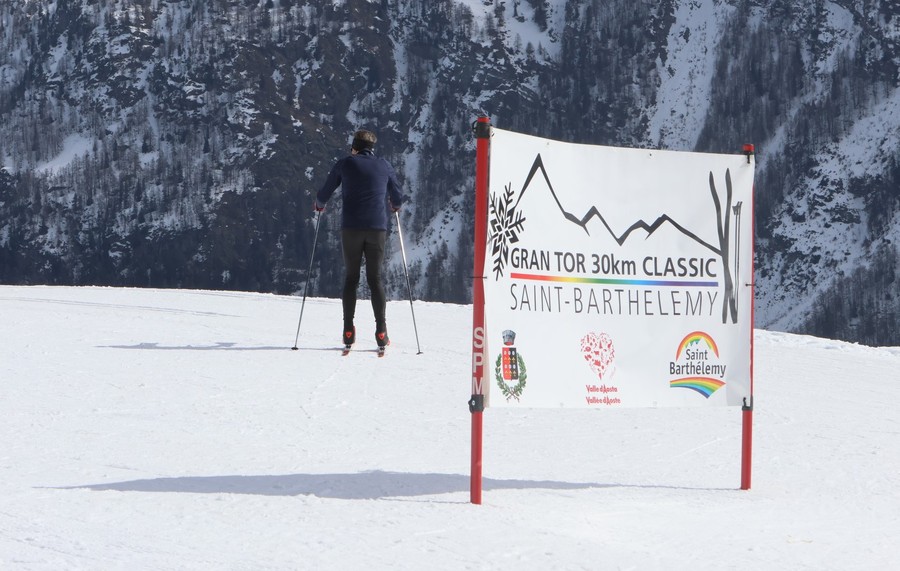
173, 430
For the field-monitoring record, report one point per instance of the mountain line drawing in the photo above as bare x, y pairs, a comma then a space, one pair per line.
594, 212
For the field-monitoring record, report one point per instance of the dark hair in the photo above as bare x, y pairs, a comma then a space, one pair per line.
363, 141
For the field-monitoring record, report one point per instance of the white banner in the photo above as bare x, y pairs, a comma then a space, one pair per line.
617, 277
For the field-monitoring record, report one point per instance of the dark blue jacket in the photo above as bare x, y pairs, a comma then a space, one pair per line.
366, 182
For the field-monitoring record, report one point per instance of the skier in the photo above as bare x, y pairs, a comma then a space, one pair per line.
368, 187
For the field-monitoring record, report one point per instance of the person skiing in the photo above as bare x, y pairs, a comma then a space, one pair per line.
368, 187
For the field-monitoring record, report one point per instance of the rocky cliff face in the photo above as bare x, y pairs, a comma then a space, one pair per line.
178, 143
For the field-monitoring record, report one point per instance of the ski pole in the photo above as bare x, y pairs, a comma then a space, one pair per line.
408, 285
308, 272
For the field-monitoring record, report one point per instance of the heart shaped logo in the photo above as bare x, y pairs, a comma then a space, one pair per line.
599, 352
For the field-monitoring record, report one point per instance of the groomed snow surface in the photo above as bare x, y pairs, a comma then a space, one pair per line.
153, 429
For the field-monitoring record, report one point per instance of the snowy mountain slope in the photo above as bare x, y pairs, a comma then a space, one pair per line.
686, 74
827, 219
822, 115
177, 144
166, 429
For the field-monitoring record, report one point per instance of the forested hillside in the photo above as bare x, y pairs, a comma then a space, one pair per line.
179, 142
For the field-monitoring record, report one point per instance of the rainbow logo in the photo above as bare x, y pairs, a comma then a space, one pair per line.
612, 281
695, 338
703, 385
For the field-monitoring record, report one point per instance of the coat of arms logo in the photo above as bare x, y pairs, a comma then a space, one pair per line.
509, 369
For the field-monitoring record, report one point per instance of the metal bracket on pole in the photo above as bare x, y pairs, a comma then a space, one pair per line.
749, 150
482, 129
748, 405
476, 404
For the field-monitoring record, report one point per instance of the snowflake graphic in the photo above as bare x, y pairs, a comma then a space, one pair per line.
506, 225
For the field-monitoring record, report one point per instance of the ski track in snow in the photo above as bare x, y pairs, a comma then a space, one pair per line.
167, 429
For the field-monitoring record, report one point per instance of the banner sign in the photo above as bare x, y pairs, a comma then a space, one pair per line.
617, 277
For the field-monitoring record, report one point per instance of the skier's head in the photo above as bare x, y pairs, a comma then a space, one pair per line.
363, 141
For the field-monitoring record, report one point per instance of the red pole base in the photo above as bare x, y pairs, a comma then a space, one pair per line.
475, 482
746, 447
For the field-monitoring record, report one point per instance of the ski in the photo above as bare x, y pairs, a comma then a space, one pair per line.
347, 348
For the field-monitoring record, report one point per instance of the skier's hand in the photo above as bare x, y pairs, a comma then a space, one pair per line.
318, 208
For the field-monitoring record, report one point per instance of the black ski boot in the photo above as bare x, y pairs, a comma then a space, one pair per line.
382, 339
349, 336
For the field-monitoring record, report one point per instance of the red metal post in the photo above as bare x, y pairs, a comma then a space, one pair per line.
482, 128
747, 410
746, 445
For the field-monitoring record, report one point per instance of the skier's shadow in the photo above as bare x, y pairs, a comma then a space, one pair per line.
371, 485
218, 346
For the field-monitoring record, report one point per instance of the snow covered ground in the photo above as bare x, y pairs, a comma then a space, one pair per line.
151, 429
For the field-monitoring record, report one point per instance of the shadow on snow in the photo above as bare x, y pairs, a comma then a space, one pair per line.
219, 346
361, 486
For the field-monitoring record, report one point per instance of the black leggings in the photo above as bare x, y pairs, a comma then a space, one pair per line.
357, 243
